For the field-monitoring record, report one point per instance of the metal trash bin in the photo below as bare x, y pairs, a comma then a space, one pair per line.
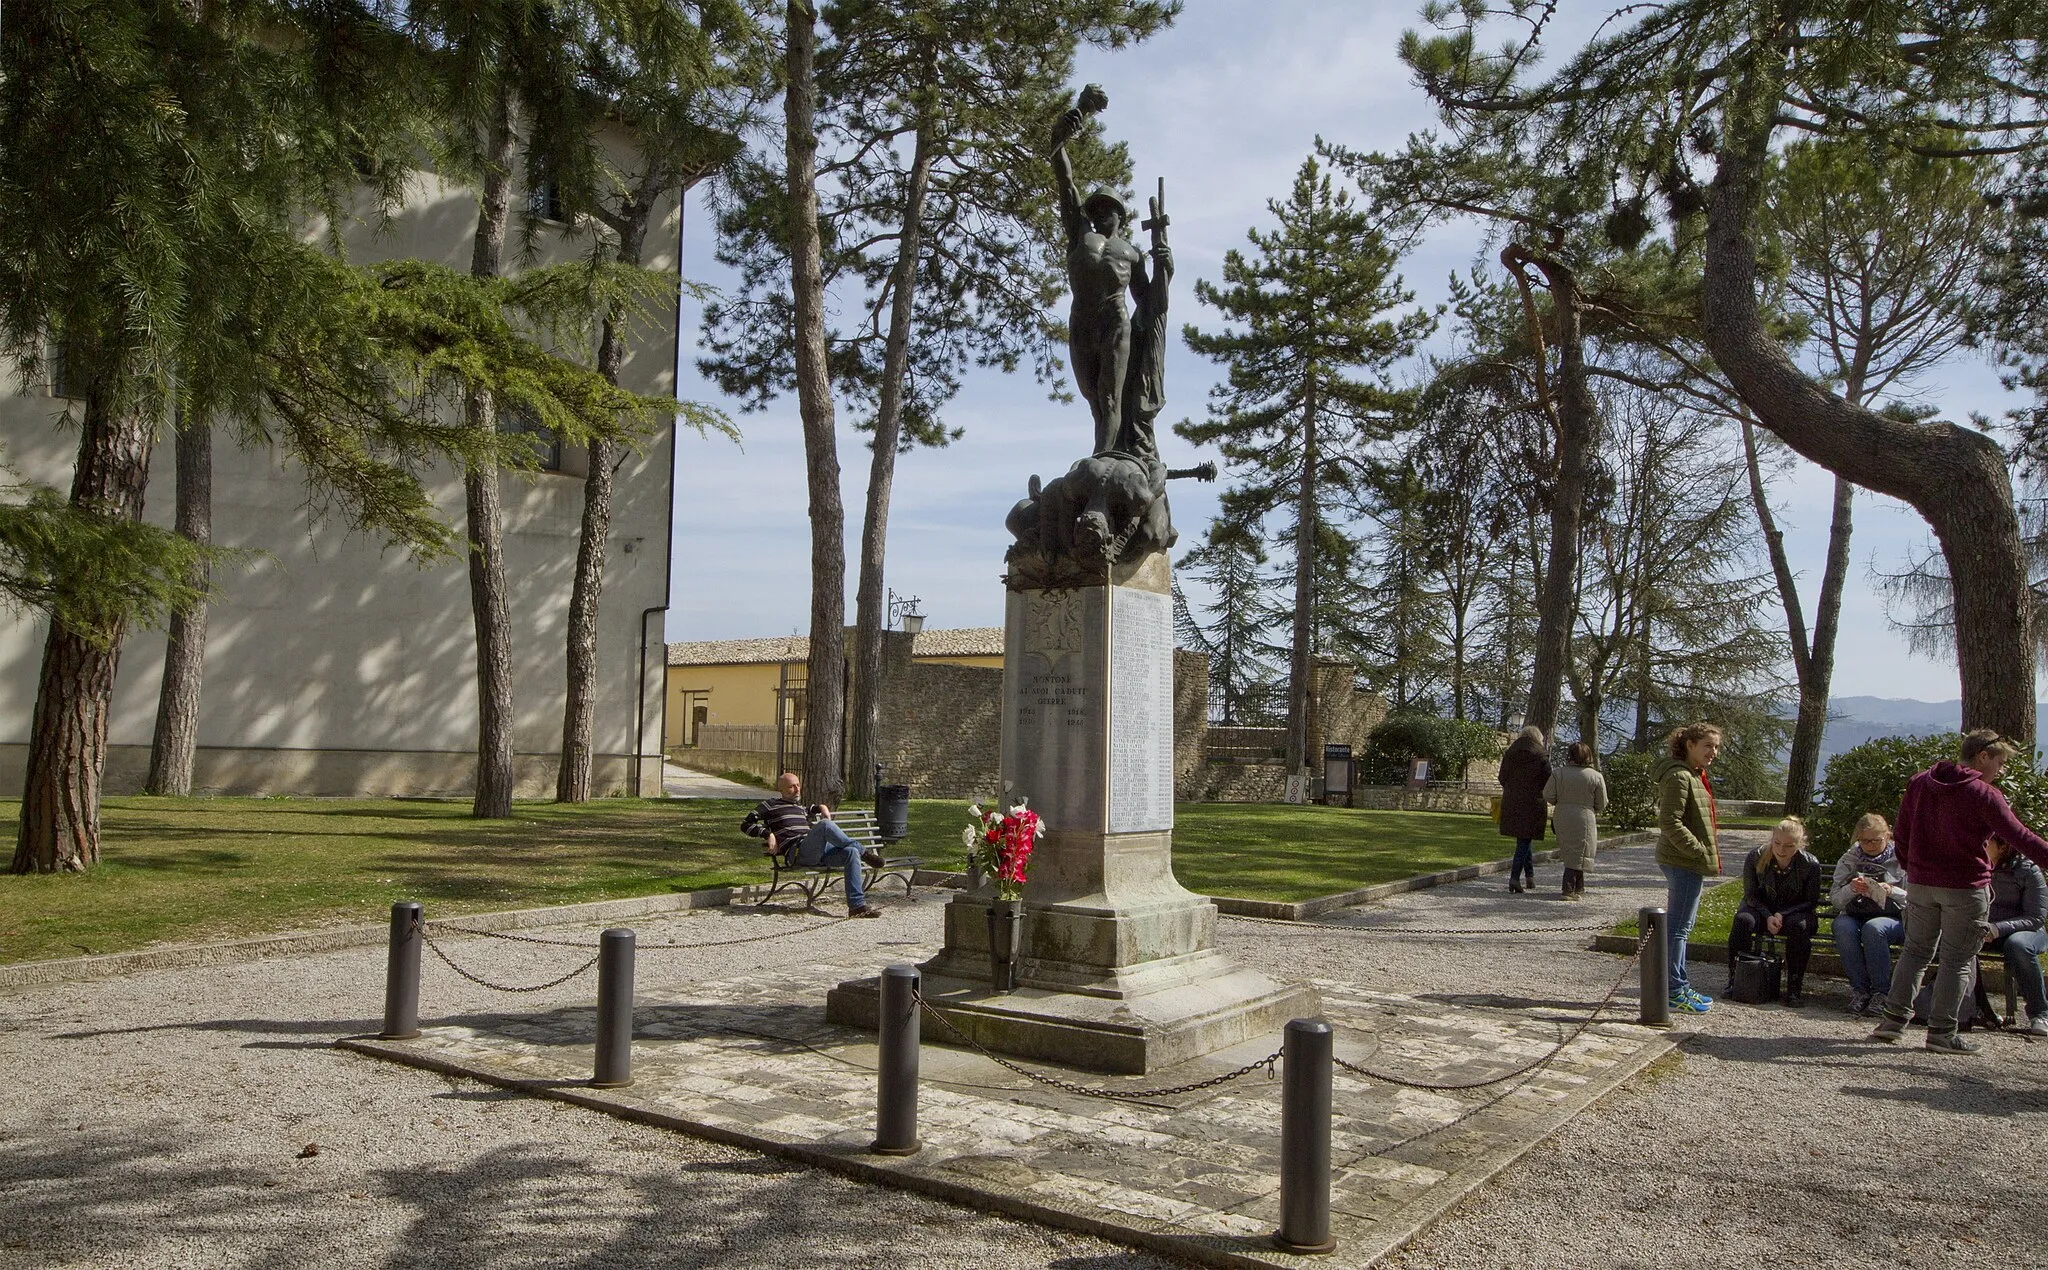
892, 812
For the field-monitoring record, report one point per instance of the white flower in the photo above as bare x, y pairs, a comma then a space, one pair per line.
967, 836
974, 810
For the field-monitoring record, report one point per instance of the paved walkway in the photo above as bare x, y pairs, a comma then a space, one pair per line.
164, 1119
684, 782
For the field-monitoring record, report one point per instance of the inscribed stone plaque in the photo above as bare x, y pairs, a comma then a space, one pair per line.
1140, 711
1052, 709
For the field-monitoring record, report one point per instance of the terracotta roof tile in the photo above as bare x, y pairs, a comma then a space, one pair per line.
965, 641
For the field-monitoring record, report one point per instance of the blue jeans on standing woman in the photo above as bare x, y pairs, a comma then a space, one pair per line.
1525, 861
1682, 889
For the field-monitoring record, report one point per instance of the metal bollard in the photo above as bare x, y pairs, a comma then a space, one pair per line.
1305, 1138
896, 1078
1655, 962
402, 974
614, 1010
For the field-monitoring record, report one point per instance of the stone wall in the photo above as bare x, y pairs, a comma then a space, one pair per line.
941, 729
1399, 798
1243, 783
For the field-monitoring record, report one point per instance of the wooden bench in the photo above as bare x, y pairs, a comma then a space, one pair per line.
815, 881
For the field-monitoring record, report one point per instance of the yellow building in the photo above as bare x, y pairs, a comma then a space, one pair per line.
726, 696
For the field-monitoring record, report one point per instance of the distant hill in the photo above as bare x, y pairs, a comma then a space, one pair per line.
1854, 720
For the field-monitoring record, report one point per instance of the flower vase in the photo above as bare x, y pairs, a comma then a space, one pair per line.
1005, 930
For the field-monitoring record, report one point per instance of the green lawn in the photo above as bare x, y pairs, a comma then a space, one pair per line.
1273, 852
215, 868
1717, 914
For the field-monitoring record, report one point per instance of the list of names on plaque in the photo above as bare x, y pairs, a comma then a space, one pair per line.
1053, 745
1140, 711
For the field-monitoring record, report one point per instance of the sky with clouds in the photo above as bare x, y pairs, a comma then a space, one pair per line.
1224, 105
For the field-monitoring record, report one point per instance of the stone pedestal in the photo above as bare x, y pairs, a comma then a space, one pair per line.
1117, 973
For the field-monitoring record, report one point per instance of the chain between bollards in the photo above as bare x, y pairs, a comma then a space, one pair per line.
402, 974
1652, 932
1308, 1046
614, 1066
896, 1072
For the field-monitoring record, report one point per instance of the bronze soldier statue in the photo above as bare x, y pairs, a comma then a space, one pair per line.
1123, 384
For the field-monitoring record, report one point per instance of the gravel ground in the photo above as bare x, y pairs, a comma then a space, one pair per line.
163, 1119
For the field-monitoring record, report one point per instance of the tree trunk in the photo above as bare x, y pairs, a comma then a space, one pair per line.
1577, 419
1298, 659
171, 750
572, 778
825, 688
1954, 477
869, 606
1813, 664
487, 587
59, 827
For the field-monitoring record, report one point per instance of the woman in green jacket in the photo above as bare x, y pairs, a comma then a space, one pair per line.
1685, 845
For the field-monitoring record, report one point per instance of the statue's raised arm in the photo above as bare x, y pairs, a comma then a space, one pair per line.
1092, 101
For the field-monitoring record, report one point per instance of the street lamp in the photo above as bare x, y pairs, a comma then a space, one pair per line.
903, 608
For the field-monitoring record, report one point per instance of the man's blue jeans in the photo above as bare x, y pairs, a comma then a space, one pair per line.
1866, 944
2022, 951
826, 845
1681, 908
1525, 859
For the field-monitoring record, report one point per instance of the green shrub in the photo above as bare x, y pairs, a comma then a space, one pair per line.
1873, 776
1870, 777
1631, 795
1449, 745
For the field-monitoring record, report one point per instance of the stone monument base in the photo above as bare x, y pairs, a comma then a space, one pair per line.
1106, 1006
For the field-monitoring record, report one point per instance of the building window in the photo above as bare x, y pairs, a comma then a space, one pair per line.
62, 363
544, 201
546, 442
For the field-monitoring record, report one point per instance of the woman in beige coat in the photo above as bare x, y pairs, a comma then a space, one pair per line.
1579, 793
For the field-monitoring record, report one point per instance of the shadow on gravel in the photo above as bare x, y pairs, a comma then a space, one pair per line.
1777, 1049
259, 1027
1959, 1092
745, 1212
98, 1196
1496, 1001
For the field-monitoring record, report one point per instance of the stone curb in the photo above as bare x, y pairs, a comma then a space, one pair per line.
183, 956
1317, 905
1358, 1249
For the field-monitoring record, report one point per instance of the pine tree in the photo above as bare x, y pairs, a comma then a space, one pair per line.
1308, 356
1241, 677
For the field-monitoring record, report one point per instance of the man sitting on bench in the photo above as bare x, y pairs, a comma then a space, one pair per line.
806, 836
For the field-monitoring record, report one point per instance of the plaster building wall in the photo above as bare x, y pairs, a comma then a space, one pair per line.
335, 666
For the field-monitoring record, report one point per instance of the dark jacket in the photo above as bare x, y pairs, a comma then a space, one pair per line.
1789, 891
1948, 812
2019, 897
1523, 773
1685, 819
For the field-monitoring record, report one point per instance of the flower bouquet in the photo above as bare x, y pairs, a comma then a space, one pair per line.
1000, 842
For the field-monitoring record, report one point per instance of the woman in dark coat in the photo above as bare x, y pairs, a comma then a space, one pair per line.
1524, 771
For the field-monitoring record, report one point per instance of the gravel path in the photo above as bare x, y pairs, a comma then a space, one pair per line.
160, 1120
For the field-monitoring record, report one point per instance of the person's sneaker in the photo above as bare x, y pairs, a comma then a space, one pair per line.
871, 858
1859, 1003
864, 911
1794, 998
2036, 1026
1888, 1030
1700, 1000
1681, 1003
1950, 1043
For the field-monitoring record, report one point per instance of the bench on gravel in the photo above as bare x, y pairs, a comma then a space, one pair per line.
814, 881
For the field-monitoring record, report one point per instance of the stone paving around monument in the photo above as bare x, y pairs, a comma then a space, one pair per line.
752, 1061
